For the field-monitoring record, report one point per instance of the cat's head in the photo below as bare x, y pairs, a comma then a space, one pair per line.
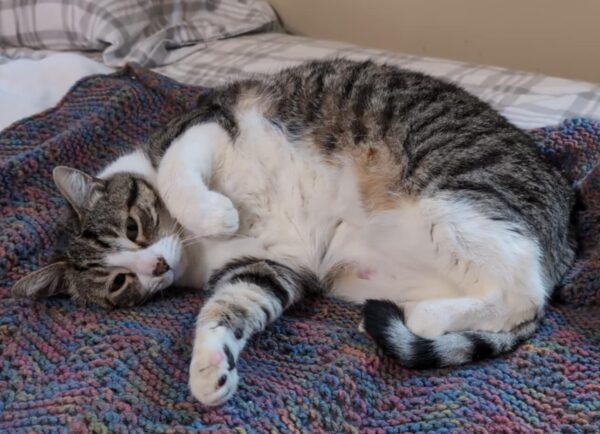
124, 246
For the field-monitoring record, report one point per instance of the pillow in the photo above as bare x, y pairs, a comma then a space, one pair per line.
144, 31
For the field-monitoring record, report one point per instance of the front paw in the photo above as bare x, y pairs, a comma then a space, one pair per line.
213, 374
215, 215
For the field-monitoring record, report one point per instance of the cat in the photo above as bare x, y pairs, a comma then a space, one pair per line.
378, 185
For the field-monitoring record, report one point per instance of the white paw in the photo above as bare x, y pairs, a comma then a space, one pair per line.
423, 321
214, 214
213, 375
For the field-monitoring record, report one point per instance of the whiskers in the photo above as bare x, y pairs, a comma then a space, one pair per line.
191, 240
178, 231
145, 298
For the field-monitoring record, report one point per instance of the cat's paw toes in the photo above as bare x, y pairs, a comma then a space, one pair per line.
213, 374
218, 216
214, 385
422, 322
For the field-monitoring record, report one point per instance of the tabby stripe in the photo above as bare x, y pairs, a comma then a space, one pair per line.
86, 266
80, 268
414, 162
290, 98
523, 190
92, 236
226, 120
228, 268
210, 111
276, 264
479, 162
133, 193
266, 282
387, 115
359, 128
410, 102
303, 279
481, 189
433, 147
160, 142
316, 104
235, 313
352, 79
294, 128
330, 143
432, 117
455, 128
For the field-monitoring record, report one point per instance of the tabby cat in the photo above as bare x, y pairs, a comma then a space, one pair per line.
378, 185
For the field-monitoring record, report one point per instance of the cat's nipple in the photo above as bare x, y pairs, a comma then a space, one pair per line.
366, 273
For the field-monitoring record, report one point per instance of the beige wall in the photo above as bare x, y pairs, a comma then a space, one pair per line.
555, 37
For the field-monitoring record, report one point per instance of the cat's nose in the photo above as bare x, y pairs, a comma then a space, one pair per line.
161, 267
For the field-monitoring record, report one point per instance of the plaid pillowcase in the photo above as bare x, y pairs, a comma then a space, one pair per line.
142, 31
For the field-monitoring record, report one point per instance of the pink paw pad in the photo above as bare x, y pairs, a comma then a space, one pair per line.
216, 358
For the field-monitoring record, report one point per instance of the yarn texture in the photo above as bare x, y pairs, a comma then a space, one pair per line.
71, 368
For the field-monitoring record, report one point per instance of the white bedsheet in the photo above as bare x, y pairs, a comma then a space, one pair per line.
30, 86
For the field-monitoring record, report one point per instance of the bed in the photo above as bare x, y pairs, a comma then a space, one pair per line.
70, 368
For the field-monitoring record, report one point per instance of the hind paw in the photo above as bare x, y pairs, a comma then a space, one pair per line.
424, 321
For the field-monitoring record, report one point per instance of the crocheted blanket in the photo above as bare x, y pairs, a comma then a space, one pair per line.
71, 368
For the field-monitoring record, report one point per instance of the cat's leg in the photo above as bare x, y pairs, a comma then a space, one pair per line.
184, 173
493, 302
249, 294
494, 268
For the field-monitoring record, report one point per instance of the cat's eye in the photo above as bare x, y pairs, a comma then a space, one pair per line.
131, 229
118, 282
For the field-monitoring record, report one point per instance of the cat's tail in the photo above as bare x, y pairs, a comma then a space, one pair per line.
384, 322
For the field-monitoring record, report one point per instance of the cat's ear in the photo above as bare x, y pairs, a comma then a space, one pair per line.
80, 189
47, 281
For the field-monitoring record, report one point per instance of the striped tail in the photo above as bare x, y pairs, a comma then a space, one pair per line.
384, 322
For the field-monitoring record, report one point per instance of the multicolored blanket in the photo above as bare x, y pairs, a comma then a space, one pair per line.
65, 367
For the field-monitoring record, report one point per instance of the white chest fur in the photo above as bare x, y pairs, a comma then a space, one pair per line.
287, 197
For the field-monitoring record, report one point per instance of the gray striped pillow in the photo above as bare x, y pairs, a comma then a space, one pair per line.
143, 31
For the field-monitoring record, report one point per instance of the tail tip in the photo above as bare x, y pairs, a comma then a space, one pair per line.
377, 315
